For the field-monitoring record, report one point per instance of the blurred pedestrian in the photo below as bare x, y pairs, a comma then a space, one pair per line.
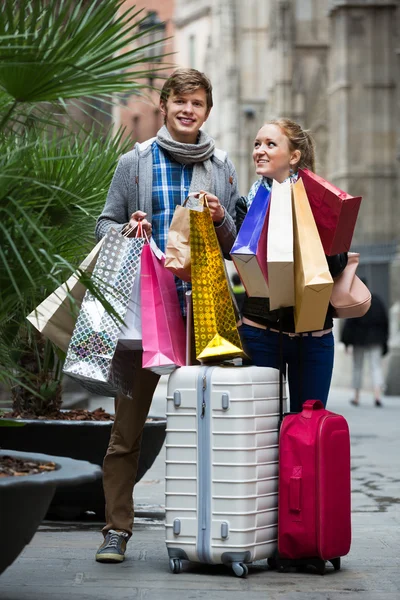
238, 290
368, 336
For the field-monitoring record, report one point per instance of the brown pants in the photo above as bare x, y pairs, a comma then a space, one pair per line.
121, 461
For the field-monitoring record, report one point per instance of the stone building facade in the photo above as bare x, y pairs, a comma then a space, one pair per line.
140, 114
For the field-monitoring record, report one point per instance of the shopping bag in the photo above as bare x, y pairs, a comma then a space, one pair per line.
56, 316
350, 296
335, 212
280, 257
249, 252
216, 334
177, 252
130, 337
96, 333
313, 281
163, 330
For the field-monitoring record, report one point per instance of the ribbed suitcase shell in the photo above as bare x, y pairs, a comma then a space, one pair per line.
314, 484
222, 464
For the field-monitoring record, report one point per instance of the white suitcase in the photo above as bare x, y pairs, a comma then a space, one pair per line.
222, 465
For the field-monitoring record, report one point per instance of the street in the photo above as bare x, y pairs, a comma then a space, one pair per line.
59, 563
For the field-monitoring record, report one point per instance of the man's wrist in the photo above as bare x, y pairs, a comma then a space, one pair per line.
220, 222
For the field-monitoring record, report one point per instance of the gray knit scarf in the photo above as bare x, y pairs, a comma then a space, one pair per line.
192, 154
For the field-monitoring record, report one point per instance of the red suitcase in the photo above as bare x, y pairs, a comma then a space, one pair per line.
314, 518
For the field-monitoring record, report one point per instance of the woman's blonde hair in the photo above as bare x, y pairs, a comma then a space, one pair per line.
299, 139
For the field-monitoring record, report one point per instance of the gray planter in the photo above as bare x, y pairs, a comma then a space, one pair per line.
81, 440
25, 500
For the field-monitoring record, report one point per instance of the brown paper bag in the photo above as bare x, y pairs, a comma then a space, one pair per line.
55, 317
177, 253
313, 281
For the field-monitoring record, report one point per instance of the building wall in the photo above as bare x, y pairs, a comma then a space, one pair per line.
140, 115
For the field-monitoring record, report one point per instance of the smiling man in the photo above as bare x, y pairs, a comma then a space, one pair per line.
149, 182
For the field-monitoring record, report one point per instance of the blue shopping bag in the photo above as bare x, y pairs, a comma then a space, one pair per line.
249, 252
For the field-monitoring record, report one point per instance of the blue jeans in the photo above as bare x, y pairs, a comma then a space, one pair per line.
308, 360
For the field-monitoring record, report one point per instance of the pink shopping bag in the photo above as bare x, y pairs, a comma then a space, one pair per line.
163, 330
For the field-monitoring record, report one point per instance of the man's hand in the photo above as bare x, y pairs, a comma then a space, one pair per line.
217, 211
137, 216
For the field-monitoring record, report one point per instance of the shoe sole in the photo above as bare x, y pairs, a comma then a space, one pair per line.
110, 558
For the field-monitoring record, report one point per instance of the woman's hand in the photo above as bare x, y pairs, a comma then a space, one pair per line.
136, 217
217, 211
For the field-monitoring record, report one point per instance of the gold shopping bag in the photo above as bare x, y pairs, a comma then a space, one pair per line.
56, 316
216, 333
313, 281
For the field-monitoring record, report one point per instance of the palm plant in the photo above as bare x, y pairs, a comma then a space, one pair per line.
54, 172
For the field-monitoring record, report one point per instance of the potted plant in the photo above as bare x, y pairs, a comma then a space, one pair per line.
61, 62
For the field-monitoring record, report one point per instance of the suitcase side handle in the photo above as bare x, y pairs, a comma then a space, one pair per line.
295, 490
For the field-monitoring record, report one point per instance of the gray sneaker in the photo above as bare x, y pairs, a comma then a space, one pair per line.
112, 550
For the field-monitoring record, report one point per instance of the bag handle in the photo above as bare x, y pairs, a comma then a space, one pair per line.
309, 406
202, 198
139, 233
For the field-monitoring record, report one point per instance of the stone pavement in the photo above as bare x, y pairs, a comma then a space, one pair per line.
59, 563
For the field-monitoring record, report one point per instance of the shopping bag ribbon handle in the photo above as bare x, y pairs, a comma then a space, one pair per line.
139, 233
202, 198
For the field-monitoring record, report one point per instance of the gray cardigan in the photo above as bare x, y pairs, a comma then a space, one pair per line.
131, 190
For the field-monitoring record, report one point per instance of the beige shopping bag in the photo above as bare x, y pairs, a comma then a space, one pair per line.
313, 281
55, 317
280, 255
177, 251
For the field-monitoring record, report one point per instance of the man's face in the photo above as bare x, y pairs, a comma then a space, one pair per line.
185, 114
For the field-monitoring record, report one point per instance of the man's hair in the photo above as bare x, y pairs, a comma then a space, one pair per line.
187, 81
299, 139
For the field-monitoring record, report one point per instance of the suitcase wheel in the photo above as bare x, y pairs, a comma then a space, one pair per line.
175, 565
240, 569
336, 563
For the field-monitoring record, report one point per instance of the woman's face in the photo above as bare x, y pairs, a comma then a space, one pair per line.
272, 156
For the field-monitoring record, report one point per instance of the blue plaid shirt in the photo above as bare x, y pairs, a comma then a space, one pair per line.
171, 182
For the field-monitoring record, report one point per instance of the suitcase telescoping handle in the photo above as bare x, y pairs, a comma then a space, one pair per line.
189, 316
280, 371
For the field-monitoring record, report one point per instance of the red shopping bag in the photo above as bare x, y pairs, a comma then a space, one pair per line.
335, 212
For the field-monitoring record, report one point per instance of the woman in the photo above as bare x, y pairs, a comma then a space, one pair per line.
282, 147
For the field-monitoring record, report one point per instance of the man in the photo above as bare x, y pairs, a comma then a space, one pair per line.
148, 183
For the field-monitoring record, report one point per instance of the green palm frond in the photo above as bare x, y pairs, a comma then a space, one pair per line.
67, 49
55, 170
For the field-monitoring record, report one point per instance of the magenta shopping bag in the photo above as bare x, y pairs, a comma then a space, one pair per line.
249, 252
163, 330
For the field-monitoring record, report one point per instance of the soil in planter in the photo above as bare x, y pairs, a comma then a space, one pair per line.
17, 467
77, 414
